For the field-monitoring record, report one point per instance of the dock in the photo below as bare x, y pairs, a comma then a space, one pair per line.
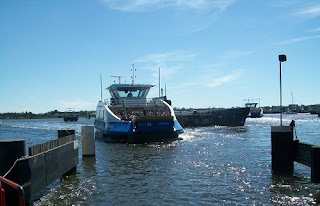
285, 151
33, 172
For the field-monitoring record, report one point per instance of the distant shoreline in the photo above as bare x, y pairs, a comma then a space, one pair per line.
48, 115
8, 118
312, 109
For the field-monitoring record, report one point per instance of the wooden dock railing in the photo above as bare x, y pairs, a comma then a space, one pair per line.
40, 148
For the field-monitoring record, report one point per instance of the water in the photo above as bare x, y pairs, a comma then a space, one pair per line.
211, 166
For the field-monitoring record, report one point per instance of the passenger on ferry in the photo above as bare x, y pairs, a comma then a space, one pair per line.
133, 119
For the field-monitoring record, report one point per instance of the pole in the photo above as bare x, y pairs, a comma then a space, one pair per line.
282, 58
280, 98
101, 86
165, 90
159, 82
132, 74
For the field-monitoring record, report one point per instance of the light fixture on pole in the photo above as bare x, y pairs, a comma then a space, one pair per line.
282, 58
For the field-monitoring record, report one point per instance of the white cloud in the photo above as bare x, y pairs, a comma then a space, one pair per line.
300, 39
174, 56
313, 11
315, 30
146, 5
76, 104
222, 80
208, 75
201, 14
169, 63
211, 82
166, 72
135, 5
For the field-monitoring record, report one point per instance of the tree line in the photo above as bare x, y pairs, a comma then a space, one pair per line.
30, 115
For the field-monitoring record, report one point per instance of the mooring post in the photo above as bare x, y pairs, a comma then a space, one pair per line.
10, 151
282, 149
65, 132
88, 144
315, 164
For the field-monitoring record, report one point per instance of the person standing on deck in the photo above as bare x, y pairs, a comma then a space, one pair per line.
133, 120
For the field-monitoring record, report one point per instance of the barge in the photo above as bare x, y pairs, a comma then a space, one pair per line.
207, 117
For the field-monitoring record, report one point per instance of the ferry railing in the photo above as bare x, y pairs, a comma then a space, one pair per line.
16, 187
132, 102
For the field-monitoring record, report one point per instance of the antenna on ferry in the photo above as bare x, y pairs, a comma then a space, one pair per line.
119, 78
165, 90
159, 82
101, 86
132, 77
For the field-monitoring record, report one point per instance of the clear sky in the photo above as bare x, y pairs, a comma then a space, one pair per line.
212, 53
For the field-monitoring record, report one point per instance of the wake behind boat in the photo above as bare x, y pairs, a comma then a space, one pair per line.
129, 117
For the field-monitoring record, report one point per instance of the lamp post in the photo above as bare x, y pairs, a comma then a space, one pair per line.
282, 58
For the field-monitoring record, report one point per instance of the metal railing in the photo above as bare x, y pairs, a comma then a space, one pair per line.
133, 102
16, 187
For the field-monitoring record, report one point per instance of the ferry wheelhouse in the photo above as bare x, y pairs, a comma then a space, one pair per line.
130, 117
255, 112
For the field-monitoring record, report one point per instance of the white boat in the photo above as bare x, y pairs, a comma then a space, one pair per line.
292, 108
70, 115
130, 117
255, 112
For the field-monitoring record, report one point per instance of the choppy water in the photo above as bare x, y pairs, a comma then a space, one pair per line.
211, 166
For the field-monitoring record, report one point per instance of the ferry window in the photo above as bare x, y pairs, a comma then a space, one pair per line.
144, 92
251, 105
134, 92
113, 93
129, 92
126, 93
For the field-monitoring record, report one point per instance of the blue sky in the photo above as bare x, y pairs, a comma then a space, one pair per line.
212, 53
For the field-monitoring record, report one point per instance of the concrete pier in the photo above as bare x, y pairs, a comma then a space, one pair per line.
282, 154
88, 141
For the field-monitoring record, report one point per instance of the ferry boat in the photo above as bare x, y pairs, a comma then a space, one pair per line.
70, 115
255, 112
130, 117
292, 108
